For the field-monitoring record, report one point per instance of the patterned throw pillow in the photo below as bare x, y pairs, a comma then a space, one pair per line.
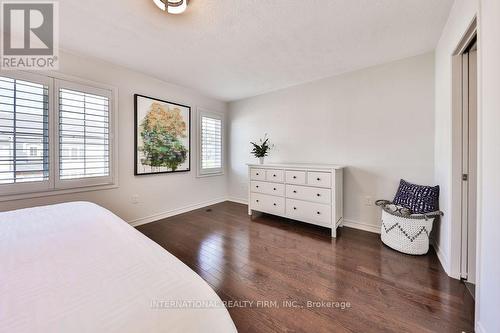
418, 198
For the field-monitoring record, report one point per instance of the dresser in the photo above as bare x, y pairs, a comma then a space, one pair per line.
310, 193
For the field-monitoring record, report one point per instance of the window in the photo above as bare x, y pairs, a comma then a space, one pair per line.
54, 134
84, 138
211, 129
24, 128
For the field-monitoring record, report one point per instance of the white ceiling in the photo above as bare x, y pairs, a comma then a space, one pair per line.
231, 49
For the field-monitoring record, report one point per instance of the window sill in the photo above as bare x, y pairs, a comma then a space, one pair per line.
32, 195
214, 174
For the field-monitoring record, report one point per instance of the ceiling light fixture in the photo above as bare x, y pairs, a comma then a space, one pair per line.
172, 6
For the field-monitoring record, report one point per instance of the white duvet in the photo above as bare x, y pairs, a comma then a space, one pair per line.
76, 267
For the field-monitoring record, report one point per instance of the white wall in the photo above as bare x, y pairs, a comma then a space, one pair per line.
157, 193
378, 121
488, 300
461, 15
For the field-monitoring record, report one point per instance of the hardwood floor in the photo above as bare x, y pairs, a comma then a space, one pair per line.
273, 259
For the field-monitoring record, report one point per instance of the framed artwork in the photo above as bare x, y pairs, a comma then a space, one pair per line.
162, 136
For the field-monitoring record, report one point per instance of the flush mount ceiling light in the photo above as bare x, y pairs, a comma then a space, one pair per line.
172, 6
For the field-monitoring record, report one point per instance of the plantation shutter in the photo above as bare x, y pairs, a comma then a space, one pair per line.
211, 143
84, 134
24, 133
54, 134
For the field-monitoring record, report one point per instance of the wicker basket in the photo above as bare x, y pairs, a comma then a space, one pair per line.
404, 232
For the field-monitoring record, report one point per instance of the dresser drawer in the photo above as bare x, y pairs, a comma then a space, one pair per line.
321, 179
267, 188
274, 175
315, 194
267, 203
295, 177
257, 174
314, 213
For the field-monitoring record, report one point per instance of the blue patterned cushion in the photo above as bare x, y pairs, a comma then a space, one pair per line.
418, 198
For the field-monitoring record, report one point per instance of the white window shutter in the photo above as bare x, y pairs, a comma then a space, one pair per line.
24, 134
84, 136
211, 127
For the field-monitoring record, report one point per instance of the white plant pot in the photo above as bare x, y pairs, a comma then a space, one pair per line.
261, 160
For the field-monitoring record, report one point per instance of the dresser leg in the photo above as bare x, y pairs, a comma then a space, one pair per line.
249, 212
334, 232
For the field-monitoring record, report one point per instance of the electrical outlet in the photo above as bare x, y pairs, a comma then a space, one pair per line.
135, 199
368, 201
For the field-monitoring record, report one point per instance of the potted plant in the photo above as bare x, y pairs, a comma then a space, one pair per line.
261, 150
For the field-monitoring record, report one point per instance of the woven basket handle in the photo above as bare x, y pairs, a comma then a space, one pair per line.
436, 213
426, 216
382, 202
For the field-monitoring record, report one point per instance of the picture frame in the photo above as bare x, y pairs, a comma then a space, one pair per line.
162, 136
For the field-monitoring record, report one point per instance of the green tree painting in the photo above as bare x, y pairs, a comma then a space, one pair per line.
161, 131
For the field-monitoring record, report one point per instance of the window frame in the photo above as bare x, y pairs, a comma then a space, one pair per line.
54, 185
212, 171
89, 181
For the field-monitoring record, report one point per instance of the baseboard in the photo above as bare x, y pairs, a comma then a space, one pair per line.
173, 212
480, 328
362, 226
440, 254
238, 200
442, 259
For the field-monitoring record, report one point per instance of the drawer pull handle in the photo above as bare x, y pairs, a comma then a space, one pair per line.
294, 191
274, 175
318, 179
257, 186
295, 208
318, 195
257, 173
274, 204
294, 177
274, 188
318, 213
256, 200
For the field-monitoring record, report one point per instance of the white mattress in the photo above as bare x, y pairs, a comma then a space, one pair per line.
76, 267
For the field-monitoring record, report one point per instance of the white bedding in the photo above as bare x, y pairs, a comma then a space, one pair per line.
76, 267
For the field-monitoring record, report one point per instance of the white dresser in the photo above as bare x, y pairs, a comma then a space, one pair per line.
309, 193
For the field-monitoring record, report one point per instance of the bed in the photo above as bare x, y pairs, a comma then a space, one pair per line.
77, 267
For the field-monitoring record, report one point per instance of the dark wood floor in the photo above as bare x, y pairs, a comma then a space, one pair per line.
273, 259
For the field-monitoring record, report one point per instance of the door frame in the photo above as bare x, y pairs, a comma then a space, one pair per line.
455, 213
456, 171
